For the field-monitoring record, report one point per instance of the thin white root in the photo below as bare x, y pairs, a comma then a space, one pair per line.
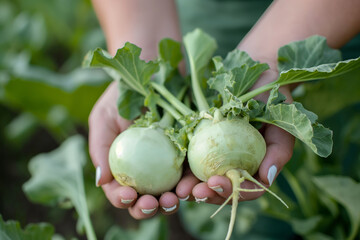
222, 206
252, 179
236, 180
237, 176
250, 190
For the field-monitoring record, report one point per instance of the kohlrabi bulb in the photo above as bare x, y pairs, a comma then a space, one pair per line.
218, 146
145, 159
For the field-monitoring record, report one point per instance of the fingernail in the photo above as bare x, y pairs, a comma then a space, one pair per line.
185, 198
218, 189
98, 176
271, 174
170, 209
199, 200
127, 201
148, 211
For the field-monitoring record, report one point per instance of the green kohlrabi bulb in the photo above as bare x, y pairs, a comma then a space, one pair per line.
145, 159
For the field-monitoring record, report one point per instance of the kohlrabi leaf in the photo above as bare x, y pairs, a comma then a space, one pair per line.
57, 177
346, 192
324, 71
169, 58
221, 83
275, 96
130, 102
135, 72
243, 71
200, 48
11, 230
301, 123
170, 51
235, 75
307, 53
307, 60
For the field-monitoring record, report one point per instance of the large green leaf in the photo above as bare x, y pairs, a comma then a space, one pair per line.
127, 63
307, 53
301, 123
57, 177
346, 192
324, 71
11, 230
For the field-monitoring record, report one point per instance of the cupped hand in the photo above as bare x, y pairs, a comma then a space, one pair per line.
105, 124
279, 149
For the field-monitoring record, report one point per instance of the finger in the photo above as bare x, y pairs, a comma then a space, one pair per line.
203, 193
145, 207
280, 145
185, 186
169, 203
221, 185
119, 196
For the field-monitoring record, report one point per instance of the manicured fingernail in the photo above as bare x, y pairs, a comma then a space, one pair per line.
185, 198
98, 176
148, 211
170, 209
127, 201
199, 200
271, 174
217, 188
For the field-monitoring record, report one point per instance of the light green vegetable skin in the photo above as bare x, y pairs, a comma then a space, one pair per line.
221, 145
145, 159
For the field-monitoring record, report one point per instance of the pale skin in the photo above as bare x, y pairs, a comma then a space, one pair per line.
144, 23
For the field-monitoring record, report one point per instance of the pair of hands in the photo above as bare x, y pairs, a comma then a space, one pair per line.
105, 124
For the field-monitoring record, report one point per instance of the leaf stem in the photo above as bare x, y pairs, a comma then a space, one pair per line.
167, 107
181, 107
246, 97
195, 84
168, 120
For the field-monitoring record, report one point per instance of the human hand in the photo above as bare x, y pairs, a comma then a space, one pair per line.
105, 124
279, 150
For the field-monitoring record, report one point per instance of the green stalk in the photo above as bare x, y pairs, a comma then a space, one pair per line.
168, 120
167, 107
246, 97
82, 209
195, 84
181, 107
90, 234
